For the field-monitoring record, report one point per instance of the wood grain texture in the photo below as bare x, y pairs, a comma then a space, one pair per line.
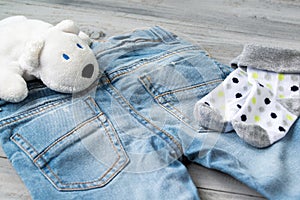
222, 27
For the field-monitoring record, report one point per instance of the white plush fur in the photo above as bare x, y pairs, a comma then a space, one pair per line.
58, 55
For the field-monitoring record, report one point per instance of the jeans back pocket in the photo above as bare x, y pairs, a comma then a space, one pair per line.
181, 81
75, 146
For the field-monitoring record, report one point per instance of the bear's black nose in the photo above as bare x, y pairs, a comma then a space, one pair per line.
88, 71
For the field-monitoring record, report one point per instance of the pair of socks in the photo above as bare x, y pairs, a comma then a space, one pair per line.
260, 100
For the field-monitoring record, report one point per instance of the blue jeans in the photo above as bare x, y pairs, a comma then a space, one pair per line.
124, 138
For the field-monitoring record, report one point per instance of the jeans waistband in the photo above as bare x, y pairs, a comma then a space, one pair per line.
165, 36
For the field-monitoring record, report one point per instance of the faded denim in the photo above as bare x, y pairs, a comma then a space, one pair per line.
125, 137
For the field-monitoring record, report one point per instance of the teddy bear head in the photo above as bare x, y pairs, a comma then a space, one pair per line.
62, 59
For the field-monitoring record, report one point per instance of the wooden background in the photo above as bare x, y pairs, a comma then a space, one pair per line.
222, 27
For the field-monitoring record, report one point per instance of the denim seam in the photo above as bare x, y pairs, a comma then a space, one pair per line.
39, 155
98, 54
96, 107
32, 112
168, 104
179, 117
188, 88
99, 179
25, 141
169, 111
153, 125
64, 137
136, 66
113, 130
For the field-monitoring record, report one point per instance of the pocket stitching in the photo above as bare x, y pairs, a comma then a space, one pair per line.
65, 136
60, 139
87, 182
188, 88
164, 104
20, 146
107, 133
32, 112
161, 104
153, 125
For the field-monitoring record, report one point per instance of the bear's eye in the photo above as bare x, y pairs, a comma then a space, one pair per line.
79, 46
65, 56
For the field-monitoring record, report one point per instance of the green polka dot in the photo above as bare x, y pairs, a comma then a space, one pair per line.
281, 96
255, 75
280, 77
220, 94
256, 118
253, 100
243, 73
289, 117
269, 86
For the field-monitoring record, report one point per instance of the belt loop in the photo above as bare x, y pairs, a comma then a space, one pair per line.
165, 36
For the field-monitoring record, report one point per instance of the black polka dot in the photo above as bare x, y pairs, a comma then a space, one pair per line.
261, 85
244, 118
294, 88
281, 129
239, 106
238, 95
235, 80
206, 103
273, 115
267, 101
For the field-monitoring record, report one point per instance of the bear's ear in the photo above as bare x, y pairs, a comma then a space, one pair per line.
85, 38
29, 59
68, 26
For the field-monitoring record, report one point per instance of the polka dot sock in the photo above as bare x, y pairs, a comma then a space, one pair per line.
217, 109
270, 109
259, 105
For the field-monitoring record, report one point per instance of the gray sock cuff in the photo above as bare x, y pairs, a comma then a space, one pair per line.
268, 58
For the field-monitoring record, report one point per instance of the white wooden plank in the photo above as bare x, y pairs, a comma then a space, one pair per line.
217, 195
211, 180
11, 186
2, 154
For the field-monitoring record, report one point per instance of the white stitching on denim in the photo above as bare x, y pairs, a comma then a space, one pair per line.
153, 125
171, 92
25, 141
138, 40
65, 136
189, 88
186, 49
35, 111
99, 179
119, 153
165, 108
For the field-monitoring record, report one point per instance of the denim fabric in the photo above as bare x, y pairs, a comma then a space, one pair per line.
125, 137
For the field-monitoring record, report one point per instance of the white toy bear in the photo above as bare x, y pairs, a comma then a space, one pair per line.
58, 55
